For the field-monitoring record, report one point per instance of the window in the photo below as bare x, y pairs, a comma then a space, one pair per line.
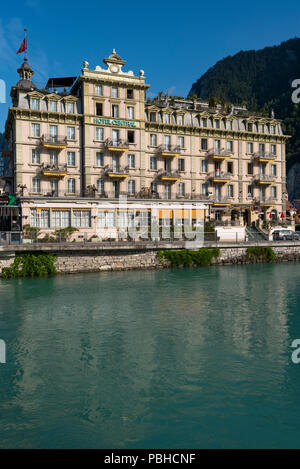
250, 192
36, 186
35, 156
249, 147
154, 187
115, 111
217, 145
153, 140
181, 164
53, 130
131, 136
180, 120
153, 163
130, 112
204, 166
273, 149
99, 133
181, 142
100, 186
229, 125
205, 189
35, 104
230, 190
250, 127
106, 219
261, 128
99, 159
115, 136
217, 123
82, 218
274, 192
273, 170
53, 158
166, 118
204, 144
35, 130
230, 167
250, 168
181, 189
61, 218
53, 106
70, 108
131, 187
114, 92
71, 186
204, 122
40, 218
71, 133
130, 94
71, 158
99, 109
262, 148
131, 161
167, 142
273, 129
229, 145
98, 90
152, 116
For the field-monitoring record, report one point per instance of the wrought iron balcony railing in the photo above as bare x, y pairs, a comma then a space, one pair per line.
169, 150
116, 145
53, 141
219, 153
264, 156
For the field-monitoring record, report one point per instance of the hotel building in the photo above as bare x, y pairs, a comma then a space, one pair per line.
75, 153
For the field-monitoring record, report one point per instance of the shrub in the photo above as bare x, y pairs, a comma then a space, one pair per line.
65, 234
31, 265
187, 258
261, 252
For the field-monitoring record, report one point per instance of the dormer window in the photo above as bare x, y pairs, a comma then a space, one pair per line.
229, 125
167, 118
250, 127
217, 124
35, 104
152, 116
53, 106
70, 108
180, 120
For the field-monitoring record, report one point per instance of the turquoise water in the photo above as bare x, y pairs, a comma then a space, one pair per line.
180, 358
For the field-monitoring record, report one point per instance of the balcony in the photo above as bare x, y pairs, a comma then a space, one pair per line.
221, 201
264, 179
219, 154
265, 202
219, 176
58, 171
54, 142
169, 176
117, 173
263, 157
116, 145
169, 150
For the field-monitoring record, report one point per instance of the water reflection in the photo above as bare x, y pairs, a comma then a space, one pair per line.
182, 358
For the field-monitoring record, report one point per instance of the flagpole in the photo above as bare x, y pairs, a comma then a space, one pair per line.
25, 43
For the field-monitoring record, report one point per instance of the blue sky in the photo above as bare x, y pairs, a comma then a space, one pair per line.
175, 42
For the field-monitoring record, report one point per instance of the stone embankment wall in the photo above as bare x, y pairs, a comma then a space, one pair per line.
70, 261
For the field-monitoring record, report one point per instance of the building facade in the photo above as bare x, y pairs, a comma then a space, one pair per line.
76, 154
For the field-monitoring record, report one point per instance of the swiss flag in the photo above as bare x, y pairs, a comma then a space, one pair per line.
23, 47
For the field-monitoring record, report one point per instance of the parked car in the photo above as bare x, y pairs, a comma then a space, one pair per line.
285, 234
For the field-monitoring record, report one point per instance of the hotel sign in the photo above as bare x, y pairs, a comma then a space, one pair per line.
115, 122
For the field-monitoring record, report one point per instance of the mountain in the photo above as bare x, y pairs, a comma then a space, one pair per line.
262, 80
